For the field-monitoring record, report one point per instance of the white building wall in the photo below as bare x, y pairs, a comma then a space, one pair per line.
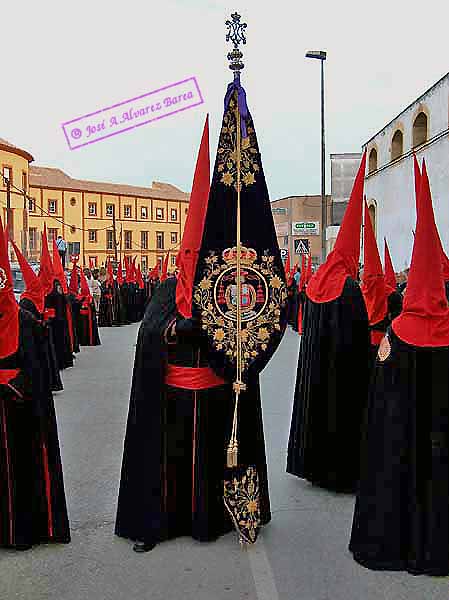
391, 187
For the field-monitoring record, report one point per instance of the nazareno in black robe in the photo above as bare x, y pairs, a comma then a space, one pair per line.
48, 347
401, 518
75, 306
331, 391
293, 305
32, 499
176, 436
88, 334
60, 328
106, 312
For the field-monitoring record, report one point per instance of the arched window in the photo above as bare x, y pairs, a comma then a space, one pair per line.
420, 129
372, 161
372, 216
397, 144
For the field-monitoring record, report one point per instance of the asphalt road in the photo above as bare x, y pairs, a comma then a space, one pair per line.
301, 555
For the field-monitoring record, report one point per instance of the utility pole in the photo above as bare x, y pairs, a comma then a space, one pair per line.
121, 241
323, 171
114, 232
9, 225
321, 55
25, 226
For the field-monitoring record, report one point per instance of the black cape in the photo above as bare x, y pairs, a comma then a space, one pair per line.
60, 329
176, 436
401, 518
106, 316
48, 346
88, 334
32, 500
331, 391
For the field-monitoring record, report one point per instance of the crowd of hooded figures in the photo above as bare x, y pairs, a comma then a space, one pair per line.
41, 336
371, 403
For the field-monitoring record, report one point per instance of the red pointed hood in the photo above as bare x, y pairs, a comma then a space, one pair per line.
110, 274
33, 287
187, 258
59, 269
424, 321
84, 286
390, 277
343, 262
309, 270
46, 273
302, 279
73, 287
139, 278
133, 270
287, 265
9, 309
120, 279
154, 274
373, 287
444, 258
165, 267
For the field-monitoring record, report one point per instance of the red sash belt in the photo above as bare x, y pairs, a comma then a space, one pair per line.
7, 374
49, 313
377, 337
191, 378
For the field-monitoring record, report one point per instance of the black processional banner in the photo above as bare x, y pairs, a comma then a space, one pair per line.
263, 290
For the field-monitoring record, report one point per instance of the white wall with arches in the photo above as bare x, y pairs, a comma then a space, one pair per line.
391, 185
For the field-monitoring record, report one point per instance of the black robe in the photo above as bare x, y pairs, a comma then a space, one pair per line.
88, 334
75, 306
123, 304
401, 518
293, 305
48, 347
60, 329
331, 391
175, 436
106, 315
32, 499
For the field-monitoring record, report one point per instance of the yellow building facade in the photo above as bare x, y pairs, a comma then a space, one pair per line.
97, 220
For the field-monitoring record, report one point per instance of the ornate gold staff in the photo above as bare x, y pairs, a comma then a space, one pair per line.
236, 35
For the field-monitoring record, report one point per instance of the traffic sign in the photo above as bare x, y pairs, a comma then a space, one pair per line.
302, 246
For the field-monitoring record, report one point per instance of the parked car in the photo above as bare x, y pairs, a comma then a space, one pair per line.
17, 277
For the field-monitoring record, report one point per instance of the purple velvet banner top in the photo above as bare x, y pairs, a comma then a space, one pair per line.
241, 99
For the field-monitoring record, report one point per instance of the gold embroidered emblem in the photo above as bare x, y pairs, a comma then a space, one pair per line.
384, 349
227, 155
242, 500
263, 295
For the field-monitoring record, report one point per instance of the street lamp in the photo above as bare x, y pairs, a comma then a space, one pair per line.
321, 55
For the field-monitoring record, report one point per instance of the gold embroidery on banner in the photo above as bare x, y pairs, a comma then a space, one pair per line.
227, 156
263, 295
242, 500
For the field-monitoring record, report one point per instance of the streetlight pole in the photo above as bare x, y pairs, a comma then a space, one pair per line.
321, 55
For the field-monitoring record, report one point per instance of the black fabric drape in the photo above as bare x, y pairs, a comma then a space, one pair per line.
331, 391
48, 347
60, 329
32, 500
175, 437
401, 517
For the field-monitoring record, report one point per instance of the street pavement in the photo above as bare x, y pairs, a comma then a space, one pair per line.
301, 555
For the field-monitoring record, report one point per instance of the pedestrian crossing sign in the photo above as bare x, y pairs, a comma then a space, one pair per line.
302, 246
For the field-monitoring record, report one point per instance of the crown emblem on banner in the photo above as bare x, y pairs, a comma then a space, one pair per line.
247, 256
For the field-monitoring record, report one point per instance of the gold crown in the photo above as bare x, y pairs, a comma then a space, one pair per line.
247, 255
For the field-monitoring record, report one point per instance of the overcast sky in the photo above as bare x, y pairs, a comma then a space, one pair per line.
61, 60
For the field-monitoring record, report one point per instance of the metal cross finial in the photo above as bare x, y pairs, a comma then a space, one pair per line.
236, 34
